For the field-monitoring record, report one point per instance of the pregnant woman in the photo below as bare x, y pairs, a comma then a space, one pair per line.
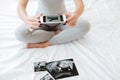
36, 35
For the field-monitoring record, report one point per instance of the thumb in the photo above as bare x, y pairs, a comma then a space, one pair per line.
67, 15
38, 17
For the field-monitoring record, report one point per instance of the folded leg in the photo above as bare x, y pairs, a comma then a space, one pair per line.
70, 34
23, 34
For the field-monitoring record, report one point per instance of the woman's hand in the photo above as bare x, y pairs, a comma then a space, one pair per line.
72, 18
33, 22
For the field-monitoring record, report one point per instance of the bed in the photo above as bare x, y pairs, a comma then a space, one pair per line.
96, 55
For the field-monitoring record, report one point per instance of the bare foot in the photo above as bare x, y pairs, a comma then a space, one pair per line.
58, 31
38, 45
41, 44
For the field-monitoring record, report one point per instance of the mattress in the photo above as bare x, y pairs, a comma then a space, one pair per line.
96, 55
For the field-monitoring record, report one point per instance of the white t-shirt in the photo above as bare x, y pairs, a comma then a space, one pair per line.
51, 7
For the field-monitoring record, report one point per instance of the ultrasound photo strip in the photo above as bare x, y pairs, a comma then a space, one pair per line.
62, 68
47, 77
40, 66
57, 69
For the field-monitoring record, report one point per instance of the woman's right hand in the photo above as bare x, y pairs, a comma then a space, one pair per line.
33, 22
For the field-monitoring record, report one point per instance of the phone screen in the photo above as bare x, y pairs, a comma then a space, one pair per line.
58, 18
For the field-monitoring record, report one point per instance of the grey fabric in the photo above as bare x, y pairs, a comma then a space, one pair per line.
46, 34
69, 34
39, 35
51, 7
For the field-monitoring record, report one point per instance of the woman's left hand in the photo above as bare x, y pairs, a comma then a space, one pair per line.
72, 18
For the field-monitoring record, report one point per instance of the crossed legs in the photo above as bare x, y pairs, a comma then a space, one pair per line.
41, 38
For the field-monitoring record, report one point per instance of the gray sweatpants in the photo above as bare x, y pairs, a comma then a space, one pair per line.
46, 33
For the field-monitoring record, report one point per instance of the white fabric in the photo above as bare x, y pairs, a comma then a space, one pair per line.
97, 55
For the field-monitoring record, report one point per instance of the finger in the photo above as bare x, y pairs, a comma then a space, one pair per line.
68, 24
33, 19
67, 14
71, 24
34, 23
70, 19
33, 27
38, 17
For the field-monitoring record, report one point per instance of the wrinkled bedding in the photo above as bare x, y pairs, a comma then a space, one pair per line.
96, 55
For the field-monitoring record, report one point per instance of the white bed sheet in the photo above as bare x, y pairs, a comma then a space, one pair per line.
97, 55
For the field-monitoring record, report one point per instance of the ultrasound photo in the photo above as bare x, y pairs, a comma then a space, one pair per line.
39, 66
62, 68
47, 77
53, 18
